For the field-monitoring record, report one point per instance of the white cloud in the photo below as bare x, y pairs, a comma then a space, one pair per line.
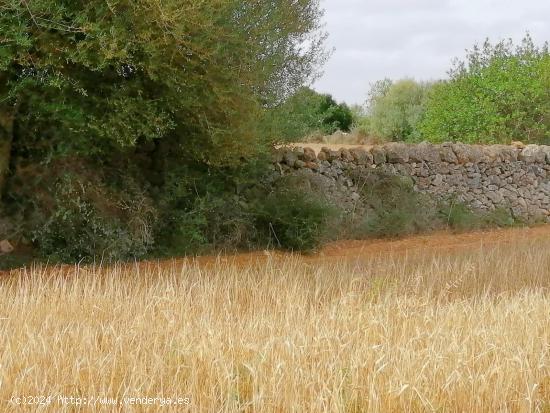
375, 39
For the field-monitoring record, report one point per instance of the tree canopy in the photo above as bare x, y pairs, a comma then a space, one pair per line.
105, 74
500, 93
133, 91
396, 108
306, 112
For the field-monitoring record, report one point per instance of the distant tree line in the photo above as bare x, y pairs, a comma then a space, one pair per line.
499, 93
307, 112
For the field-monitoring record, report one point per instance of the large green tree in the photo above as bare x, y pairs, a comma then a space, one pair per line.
395, 109
120, 89
306, 112
103, 74
501, 92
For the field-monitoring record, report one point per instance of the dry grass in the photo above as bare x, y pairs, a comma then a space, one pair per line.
449, 333
354, 137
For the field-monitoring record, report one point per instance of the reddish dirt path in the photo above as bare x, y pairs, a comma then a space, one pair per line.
437, 242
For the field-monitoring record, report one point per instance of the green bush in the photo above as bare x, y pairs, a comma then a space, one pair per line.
335, 116
361, 122
251, 215
183, 232
293, 220
393, 207
395, 109
461, 218
154, 94
499, 94
307, 112
501, 218
78, 230
213, 222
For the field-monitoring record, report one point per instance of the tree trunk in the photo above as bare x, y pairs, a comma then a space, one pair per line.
6, 138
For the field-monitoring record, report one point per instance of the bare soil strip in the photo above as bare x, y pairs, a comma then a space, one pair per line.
436, 242
443, 242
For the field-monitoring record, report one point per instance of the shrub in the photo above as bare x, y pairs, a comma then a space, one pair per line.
361, 121
133, 91
293, 220
298, 116
308, 112
79, 230
499, 94
396, 109
213, 222
500, 217
393, 207
461, 218
183, 232
252, 216
335, 116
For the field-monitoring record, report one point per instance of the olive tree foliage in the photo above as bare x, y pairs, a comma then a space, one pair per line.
501, 92
306, 112
88, 77
131, 92
395, 109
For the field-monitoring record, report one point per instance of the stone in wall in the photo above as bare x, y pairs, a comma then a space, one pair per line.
515, 177
6, 247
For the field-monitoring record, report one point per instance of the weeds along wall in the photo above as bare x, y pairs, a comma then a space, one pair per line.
482, 178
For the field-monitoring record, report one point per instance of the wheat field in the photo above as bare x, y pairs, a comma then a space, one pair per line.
450, 332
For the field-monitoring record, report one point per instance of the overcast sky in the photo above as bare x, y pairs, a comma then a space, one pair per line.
375, 39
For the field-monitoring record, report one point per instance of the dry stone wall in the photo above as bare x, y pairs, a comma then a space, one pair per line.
482, 177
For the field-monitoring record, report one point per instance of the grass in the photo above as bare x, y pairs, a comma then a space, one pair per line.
354, 137
454, 332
